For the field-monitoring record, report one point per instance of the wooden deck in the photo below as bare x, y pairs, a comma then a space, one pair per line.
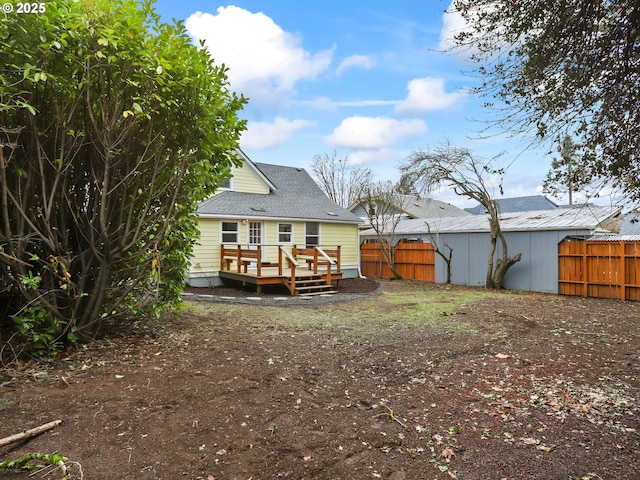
304, 271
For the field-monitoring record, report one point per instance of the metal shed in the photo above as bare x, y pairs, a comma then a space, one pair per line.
536, 234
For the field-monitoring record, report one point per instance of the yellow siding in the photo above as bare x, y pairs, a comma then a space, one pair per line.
207, 251
344, 235
246, 179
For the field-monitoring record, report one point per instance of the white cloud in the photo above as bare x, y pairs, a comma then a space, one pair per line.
452, 24
363, 157
262, 58
265, 135
374, 132
355, 61
427, 94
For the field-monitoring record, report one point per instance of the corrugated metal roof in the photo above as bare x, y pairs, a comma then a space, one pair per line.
615, 238
587, 218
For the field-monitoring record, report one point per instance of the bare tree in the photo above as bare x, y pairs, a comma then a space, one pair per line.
445, 252
342, 182
384, 206
468, 176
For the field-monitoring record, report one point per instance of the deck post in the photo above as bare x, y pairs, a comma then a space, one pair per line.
315, 260
259, 260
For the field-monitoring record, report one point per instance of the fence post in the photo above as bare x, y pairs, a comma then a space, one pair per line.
623, 271
585, 274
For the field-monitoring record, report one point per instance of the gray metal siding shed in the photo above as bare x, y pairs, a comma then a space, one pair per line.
535, 234
537, 271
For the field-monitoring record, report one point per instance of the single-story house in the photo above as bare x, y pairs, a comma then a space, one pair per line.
536, 234
271, 209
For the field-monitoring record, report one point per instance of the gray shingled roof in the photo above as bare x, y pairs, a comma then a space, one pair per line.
429, 208
631, 225
297, 196
517, 204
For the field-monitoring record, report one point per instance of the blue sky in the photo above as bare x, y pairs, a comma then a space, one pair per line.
366, 79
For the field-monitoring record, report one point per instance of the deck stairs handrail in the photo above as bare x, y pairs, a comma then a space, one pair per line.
327, 257
293, 263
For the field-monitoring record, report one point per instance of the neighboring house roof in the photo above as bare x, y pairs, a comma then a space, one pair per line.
631, 224
517, 204
293, 195
417, 207
629, 231
590, 219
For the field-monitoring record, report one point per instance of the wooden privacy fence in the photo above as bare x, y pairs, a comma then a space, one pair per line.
599, 268
414, 261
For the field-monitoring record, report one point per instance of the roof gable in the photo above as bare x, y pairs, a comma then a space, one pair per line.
293, 194
248, 178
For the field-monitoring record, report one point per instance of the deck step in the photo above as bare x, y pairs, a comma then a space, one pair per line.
313, 281
325, 292
314, 289
311, 288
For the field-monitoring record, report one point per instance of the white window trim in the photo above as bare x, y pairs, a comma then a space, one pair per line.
291, 233
319, 233
222, 232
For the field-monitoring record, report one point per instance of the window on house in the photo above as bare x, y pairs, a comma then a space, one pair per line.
285, 233
229, 232
312, 234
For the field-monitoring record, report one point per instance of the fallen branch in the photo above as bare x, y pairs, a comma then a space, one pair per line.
32, 432
389, 413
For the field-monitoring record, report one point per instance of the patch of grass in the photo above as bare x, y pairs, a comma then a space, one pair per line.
436, 308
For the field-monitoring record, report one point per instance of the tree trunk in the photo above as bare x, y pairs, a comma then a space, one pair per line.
492, 251
388, 254
502, 267
496, 272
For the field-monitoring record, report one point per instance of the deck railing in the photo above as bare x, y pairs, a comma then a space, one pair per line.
240, 258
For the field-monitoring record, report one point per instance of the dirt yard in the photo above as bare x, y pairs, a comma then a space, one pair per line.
416, 381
